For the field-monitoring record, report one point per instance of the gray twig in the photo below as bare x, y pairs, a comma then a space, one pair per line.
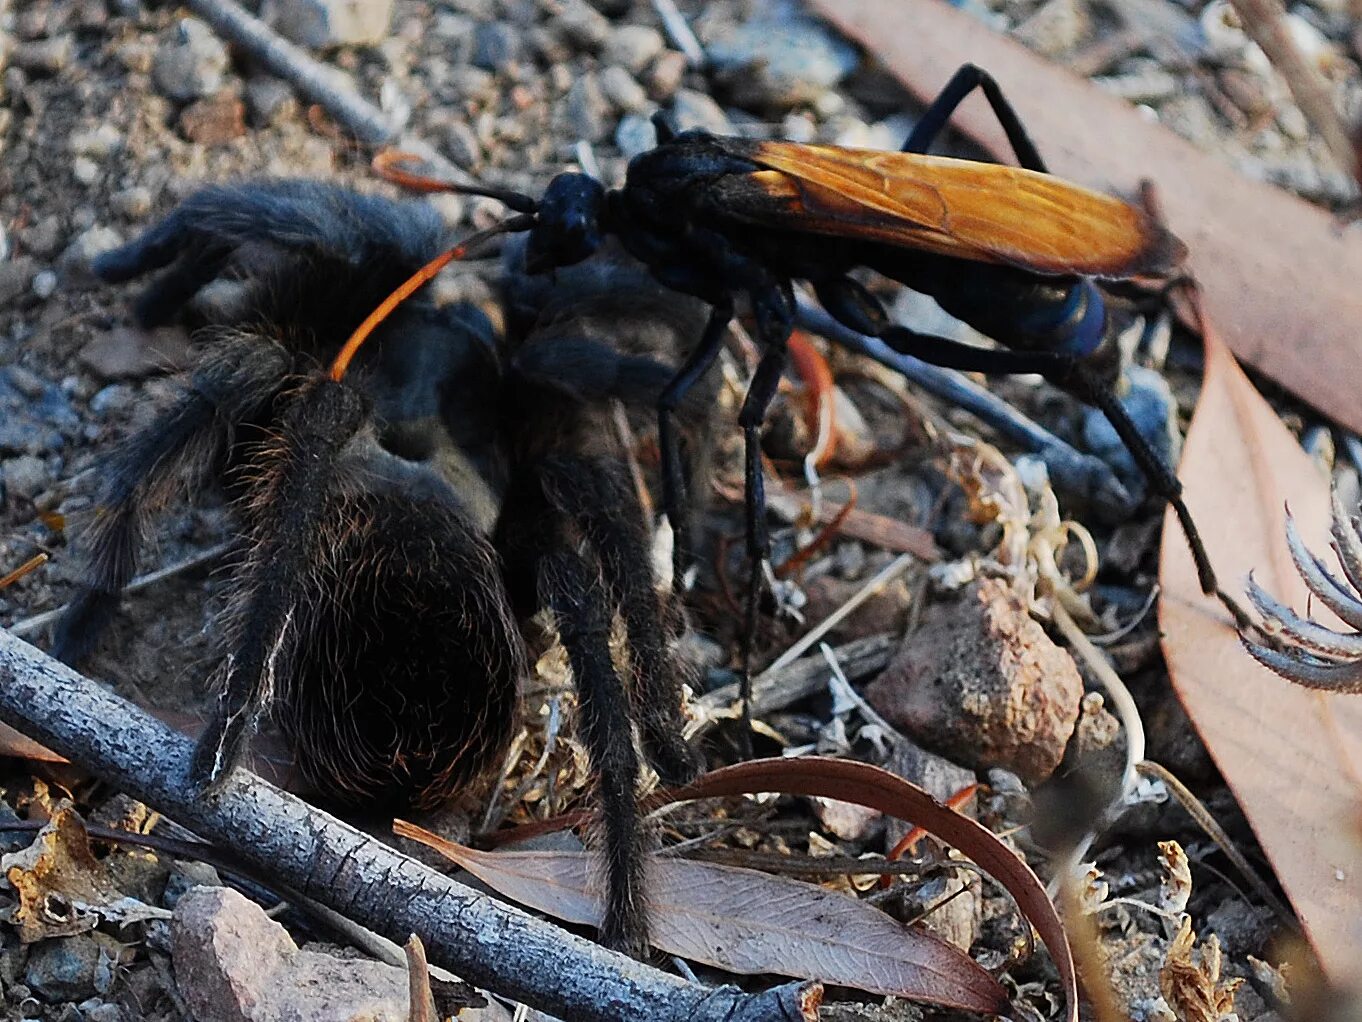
316, 82
487, 943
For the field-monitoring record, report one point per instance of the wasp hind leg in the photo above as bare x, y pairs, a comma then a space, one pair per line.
962, 83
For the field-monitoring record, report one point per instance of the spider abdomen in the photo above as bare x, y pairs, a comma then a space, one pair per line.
406, 678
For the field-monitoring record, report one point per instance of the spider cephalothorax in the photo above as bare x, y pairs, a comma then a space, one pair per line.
368, 607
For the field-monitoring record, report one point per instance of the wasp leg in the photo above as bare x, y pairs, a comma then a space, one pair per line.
669, 443
962, 83
287, 542
1067, 372
229, 386
572, 592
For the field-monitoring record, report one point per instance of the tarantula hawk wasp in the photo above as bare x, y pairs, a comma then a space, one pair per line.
1013, 252
404, 506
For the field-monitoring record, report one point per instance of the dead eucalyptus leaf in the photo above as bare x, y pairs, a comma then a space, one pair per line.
62, 888
746, 922
1291, 756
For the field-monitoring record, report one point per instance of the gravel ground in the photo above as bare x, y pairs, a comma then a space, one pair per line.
110, 113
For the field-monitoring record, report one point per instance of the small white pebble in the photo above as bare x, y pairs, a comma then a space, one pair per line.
44, 283
85, 170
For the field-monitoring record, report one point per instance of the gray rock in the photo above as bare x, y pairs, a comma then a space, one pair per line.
496, 46
190, 61
693, 109
133, 203
779, 59
233, 963
184, 877
583, 26
85, 170
113, 399
15, 277
67, 968
44, 238
621, 90
26, 382
95, 1010
666, 75
633, 47
461, 144
24, 477
586, 109
269, 100
635, 134
45, 56
98, 143
326, 24
89, 243
44, 284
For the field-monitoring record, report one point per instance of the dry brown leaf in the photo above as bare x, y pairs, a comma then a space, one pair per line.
1292, 757
1194, 989
1280, 281
746, 922
62, 888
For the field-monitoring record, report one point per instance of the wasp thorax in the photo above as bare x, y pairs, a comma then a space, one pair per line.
568, 227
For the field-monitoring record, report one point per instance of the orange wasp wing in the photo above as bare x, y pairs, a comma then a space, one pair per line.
982, 211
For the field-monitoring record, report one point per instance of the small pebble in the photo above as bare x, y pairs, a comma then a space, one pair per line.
633, 47
88, 244
44, 284
112, 400
99, 143
191, 61
587, 109
215, 120
24, 477
779, 62
496, 46
45, 56
269, 100
327, 24
1055, 28
16, 276
133, 203
621, 90
691, 109
635, 134
85, 170
583, 26
666, 75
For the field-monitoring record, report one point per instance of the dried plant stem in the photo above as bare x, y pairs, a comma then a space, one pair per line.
1216, 833
1265, 22
483, 941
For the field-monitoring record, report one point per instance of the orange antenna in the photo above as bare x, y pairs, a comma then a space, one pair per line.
396, 166
413, 284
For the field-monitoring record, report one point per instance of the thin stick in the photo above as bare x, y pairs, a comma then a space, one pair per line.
37, 622
316, 82
487, 943
1216, 833
421, 1003
893, 570
28, 567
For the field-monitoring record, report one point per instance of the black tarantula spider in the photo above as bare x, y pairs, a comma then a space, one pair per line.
400, 516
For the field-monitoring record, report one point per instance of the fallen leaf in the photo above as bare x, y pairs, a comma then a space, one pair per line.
62, 888
875, 788
1279, 279
1292, 757
746, 923
20, 746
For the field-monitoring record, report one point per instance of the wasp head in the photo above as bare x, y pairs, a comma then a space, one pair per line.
568, 226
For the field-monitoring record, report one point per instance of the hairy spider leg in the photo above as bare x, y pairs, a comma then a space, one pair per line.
572, 591
600, 498
235, 382
320, 418
1161, 476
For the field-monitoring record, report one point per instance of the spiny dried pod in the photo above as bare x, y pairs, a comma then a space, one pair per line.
1312, 654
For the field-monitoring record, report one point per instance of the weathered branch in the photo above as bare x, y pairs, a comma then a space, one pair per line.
483, 941
316, 82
